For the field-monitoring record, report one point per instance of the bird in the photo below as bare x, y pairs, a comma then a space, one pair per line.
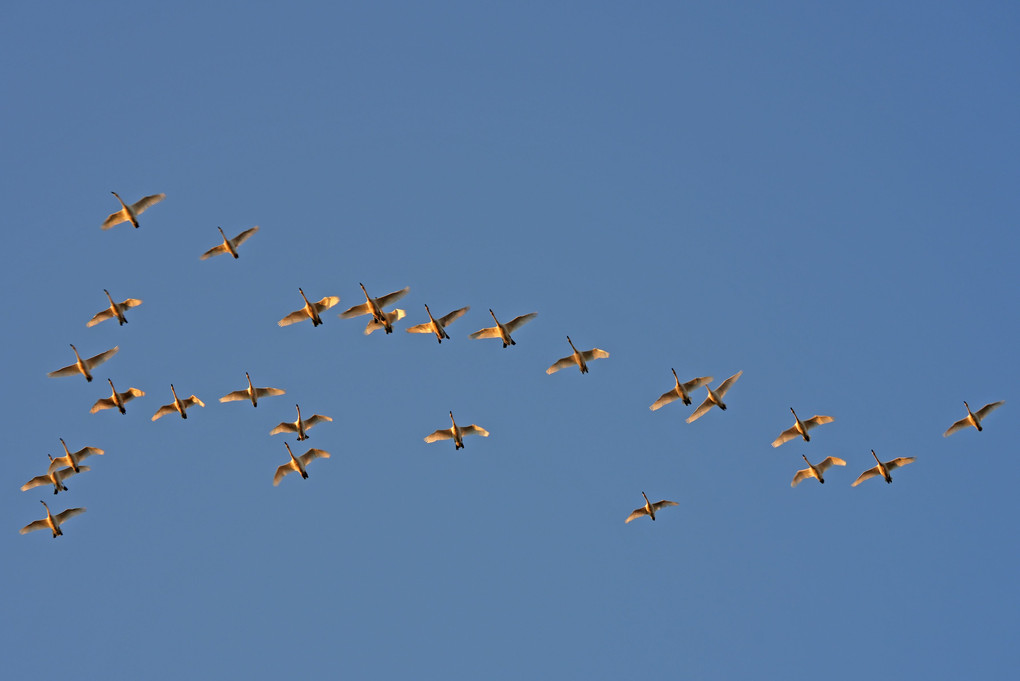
54, 477
251, 393
115, 311
813, 471
883, 468
681, 391
178, 405
299, 426
229, 245
130, 213
84, 366
116, 399
649, 508
714, 398
374, 307
309, 311
973, 418
579, 358
502, 331
72, 459
456, 433
52, 521
298, 463
800, 428
438, 326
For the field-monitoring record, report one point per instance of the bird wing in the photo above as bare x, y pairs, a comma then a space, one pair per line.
313, 454
326, 303
420, 328
235, 396
727, 384
663, 504
267, 392
131, 393
244, 236
474, 430
900, 461
786, 436
34, 525
594, 353
36, 482
636, 513
561, 364
356, 311
488, 332
215, 250
316, 418
829, 462
988, 409
696, 383
390, 298
114, 219
65, 473
801, 476
145, 202
101, 357
518, 322
454, 316
285, 427
64, 516
101, 317
86, 452
665, 399
959, 425
817, 420
131, 302
282, 471
294, 317
69, 370
192, 401
701, 410
163, 411
104, 403
867, 475
441, 434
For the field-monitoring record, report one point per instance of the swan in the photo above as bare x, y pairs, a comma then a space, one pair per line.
309, 311
813, 471
130, 213
579, 358
973, 418
438, 326
800, 428
229, 245
299, 426
502, 331
681, 391
178, 405
883, 468
298, 463
116, 310
649, 508
374, 307
116, 399
84, 366
456, 433
55, 477
251, 393
72, 459
714, 398
52, 521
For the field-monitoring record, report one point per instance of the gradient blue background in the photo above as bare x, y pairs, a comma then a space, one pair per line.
821, 195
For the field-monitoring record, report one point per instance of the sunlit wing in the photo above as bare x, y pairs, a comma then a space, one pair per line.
69, 370
131, 302
391, 316
829, 462
636, 513
701, 410
326, 303
518, 322
594, 353
696, 383
313, 454
316, 418
268, 392
988, 409
420, 328
36, 482
145, 202
665, 399
561, 364
901, 461
817, 420
786, 436
235, 396
442, 434
282, 471
244, 236
488, 332
114, 219
86, 452
192, 401
663, 504
65, 473
728, 383
163, 411
474, 430
801, 476
101, 357
101, 317
215, 250
104, 403
454, 316
959, 425
284, 428
294, 317
64, 516
36, 525
356, 311
58, 462
867, 475
390, 298
131, 393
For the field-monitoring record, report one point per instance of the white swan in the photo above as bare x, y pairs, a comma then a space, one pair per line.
115, 311
813, 471
579, 358
251, 393
84, 366
116, 399
456, 433
374, 307
298, 463
438, 326
973, 418
681, 391
502, 331
52, 521
178, 405
130, 213
309, 311
299, 426
883, 468
649, 508
229, 245
714, 398
72, 459
800, 428
54, 477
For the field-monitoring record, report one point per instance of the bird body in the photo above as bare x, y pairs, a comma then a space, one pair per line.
456, 433
309, 311
298, 463
115, 311
681, 391
52, 521
714, 398
649, 508
84, 366
251, 393
579, 358
503, 331
800, 428
883, 468
813, 471
229, 245
299, 426
178, 405
973, 418
116, 399
438, 326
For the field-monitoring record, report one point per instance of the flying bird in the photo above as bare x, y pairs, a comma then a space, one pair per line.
714, 398
55, 478
251, 393
438, 326
456, 433
52, 521
883, 468
579, 358
681, 391
229, 245
178, 405
374, 307
800, 428
309, 311
649, 508
130, 213
116, 399
502, 331
298, 463
115, 311
973, 418
813, 471
299, 426
84, 366
72, 459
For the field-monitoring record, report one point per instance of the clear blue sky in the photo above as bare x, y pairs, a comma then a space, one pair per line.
821, 195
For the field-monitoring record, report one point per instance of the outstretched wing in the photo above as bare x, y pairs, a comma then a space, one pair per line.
313, 454
488, 332
316, 418
294, 317
728, 383
284, 427
266, 392
441, 434
663, 504
901, 461
326, 303
474, 430
594, 353
701, 410
163, 411
114, 219
696, 383
131, 302
102, 357
282, 471
192, 401
101, 317
518, 322
235, 396
636, 513
356, 311
959, 425
35, 525
36, 482
131, 393
420, 328
64, 516
142, 204
244, 236
817, 420
830, 462
104, 403
988, 409
561, 364
69, 370
786, 436
867, 475
390, 298
215, 250
665, 399
446, 320
801, 476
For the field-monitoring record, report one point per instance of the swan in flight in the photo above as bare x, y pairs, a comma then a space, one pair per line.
309, 311
116, 399
251, 393
714, 398
130, 213
298, 463
456, 433
438, 326
800, 428
681, 391
649, 508
813, 471
579, 358
229, 245
115, 311
883, 468
299, 426
374, 307
502, 331
178, 405
973, 418
84, 366
53, 522
55, 478
72, 459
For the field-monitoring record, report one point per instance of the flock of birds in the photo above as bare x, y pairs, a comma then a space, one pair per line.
63, 467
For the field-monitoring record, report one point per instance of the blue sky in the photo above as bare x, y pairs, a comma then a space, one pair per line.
821, 196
